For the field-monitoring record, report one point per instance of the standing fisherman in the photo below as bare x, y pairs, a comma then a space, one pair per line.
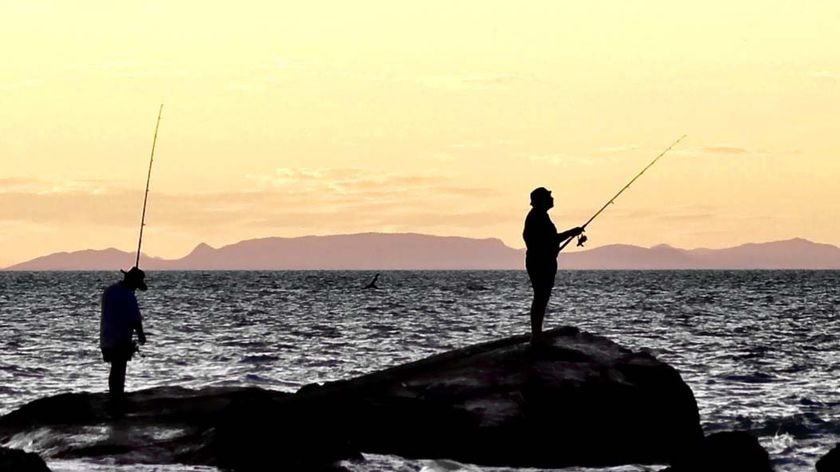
120, 312
120, 319
543, 245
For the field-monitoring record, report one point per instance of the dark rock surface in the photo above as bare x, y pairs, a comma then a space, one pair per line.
155, 426
732, 451
15, 460
579, 400
831, 461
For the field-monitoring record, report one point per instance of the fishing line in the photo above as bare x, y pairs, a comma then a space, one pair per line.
582, 237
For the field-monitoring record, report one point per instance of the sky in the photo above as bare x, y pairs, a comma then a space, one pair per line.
439, 117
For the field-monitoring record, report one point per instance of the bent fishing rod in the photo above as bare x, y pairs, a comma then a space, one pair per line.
146, 196
582, 238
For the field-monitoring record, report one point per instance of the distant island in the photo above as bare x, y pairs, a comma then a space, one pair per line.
409, 251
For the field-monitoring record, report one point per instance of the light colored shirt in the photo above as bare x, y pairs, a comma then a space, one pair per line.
120, 315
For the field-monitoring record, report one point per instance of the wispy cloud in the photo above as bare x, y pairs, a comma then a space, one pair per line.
600, 155
14, 184
43, 187
729, 150
561, 160
327, 199
618, 149
349, 181
684, 213
442, 156
823, 74
724, 150
685, 217
469, 82
20, 84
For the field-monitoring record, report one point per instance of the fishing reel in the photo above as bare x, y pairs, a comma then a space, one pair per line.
581, 239
135, 349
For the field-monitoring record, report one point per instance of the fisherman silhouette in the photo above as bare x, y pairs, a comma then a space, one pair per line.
120, 319
372, 283
543, 245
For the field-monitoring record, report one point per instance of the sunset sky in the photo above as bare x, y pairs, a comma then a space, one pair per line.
438, 117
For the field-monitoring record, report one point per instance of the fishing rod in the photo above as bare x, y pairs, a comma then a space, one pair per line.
582, 238
146, 196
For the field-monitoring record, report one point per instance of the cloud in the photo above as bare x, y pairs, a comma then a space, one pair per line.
469, 82
13, 184
442, 156
685, 217
618, 149
21, 84
602, 154
330, 200
826, 75
40, 187
684, 213
725, 150
561, 160
348, 181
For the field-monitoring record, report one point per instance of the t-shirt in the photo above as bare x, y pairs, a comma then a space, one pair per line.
540, 237
120, 314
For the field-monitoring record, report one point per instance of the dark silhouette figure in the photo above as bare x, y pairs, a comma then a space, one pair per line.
120, 319
372, 283
543, 245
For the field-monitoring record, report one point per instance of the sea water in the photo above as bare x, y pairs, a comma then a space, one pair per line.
758, 348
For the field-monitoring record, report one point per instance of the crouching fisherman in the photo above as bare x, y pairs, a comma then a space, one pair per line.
120, 319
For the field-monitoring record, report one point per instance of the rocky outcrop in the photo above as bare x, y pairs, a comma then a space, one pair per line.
158, 425
831, 461
731, 451
580, 399
15, 460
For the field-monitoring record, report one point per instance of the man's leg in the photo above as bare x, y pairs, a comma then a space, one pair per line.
538, 306
116, 379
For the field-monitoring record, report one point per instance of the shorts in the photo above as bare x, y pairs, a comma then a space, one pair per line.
121, 353
542, 276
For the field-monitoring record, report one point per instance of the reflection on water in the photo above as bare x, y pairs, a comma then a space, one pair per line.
759, 349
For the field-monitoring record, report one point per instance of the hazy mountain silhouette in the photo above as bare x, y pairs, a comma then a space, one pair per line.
353, 251
89, 259
790, 254
380, 251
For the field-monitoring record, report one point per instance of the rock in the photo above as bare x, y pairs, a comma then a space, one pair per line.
15, 460
733, 451
153, 426
258, 430
240, 428
831, 461
580, 399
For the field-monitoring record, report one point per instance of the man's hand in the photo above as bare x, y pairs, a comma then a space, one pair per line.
576, 231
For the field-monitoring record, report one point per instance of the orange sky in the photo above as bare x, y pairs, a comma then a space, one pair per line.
284, 119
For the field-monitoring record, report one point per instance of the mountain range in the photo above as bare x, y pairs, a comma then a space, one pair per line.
409, 251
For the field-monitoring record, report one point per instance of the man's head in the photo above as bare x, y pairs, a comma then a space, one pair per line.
134, 278
541, 198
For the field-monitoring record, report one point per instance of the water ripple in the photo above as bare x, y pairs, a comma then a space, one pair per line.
759, 349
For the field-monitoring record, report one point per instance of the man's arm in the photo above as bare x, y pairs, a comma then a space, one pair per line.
138, 320
562, 237
141, 336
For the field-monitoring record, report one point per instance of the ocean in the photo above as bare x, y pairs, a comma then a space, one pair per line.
758, 348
